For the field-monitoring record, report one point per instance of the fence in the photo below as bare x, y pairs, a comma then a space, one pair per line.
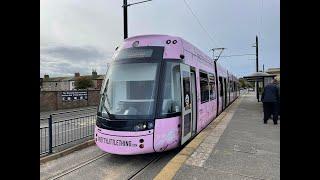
61, 131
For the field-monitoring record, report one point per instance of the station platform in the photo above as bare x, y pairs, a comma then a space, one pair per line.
236, 145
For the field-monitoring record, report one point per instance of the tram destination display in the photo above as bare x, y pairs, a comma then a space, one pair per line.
134, 53
74, 95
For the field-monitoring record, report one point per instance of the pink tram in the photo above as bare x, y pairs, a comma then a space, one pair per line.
159, 92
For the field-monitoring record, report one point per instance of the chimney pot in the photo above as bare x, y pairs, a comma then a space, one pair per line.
94, 73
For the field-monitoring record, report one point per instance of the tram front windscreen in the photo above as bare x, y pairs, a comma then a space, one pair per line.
130, 90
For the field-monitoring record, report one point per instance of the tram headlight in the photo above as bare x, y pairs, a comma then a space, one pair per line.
143, 126
140, 126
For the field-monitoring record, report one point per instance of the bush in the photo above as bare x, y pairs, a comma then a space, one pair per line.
83, 83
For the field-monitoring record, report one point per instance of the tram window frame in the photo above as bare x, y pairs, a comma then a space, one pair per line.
204, 78
173, 92
212, 83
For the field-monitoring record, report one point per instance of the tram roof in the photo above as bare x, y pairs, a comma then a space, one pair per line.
157, 39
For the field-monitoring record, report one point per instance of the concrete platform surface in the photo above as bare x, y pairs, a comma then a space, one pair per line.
239, 147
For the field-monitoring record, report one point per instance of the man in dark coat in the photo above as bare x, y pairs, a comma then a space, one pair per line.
270, 98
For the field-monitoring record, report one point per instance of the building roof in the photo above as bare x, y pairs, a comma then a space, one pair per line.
72, 78
54, 79
271, 70
101, 77
98, 77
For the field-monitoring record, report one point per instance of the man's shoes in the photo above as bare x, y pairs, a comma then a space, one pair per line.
264, 122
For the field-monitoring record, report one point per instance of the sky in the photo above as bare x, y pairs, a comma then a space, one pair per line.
81, 35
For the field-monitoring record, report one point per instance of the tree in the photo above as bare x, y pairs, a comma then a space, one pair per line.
244, 83
251, 84
83, 83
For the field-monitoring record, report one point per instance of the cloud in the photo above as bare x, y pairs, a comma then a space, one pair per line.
74, 53
65, 60
87, 32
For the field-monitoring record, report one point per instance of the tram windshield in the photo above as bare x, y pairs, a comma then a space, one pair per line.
129, 89
171, 92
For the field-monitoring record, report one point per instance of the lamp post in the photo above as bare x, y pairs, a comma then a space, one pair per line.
125, 16
125, 19
257, 66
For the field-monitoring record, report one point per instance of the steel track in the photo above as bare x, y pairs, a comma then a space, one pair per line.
143, 168
59, 175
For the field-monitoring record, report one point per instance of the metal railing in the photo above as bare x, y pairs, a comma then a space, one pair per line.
62, 131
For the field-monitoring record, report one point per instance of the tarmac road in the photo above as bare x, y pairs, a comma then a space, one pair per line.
66, 114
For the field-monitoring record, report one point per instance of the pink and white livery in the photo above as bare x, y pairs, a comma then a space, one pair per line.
159, 92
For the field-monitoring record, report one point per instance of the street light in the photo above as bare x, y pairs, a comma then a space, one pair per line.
125, 15
256, 45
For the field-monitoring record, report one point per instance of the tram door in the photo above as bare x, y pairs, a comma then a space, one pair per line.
221, 94
229, 91
187, 104
194, 102
225, 92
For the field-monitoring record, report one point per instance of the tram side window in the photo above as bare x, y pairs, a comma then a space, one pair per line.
212, 86
204, 87
171, 94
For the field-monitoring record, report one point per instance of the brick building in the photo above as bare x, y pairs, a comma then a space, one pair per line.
274, 71
67, 83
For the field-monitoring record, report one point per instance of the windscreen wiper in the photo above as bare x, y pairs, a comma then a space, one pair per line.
106, 98
104, 105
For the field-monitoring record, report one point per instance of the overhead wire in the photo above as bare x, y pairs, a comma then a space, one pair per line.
238, 55
199, 22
